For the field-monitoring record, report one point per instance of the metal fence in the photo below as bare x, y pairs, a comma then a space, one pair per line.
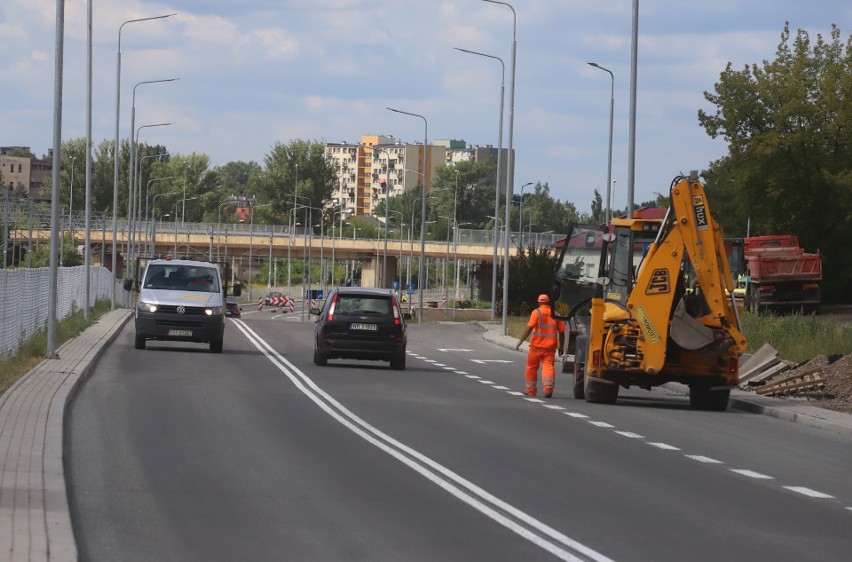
24, 297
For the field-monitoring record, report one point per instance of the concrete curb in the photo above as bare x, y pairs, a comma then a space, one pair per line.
787, 410
35, 521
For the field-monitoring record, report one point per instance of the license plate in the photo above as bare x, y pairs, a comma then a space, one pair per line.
181, 333
368, 327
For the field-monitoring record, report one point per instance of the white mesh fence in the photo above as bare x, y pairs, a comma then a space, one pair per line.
24, 295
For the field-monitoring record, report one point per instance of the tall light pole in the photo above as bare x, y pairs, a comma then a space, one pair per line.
139, 213
182, 201
71, 195
251, 239
511, 165
422, 211
147, 191
499, 185
131, 199
521, 210
117, 144
608, 216
631, 150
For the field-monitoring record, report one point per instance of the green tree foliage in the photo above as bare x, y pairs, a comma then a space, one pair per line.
236, 176
296, 169
789, 162
530, 274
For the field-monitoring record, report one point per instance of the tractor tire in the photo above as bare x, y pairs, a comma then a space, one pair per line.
702, 398
599, 392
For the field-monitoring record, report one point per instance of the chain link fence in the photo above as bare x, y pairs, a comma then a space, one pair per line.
24, 295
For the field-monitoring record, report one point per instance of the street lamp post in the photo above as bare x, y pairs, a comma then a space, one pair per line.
182, 201
521, 211
422, 210
251, 240
608, 217
117, 144
499, 184
511, 164
140, 216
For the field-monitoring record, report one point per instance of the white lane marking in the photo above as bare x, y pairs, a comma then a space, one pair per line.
429, 360
501, 387
553, 407
471, 376
515, 393
449, 368
576, 415
485, 382
483, 361
460, 372
751, 474
461, 488
537, 400
808, 492
450, 349
664, 446
630, 434
600, 423
439, 365
703, 459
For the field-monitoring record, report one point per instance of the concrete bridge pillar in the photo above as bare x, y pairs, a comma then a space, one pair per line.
371, 272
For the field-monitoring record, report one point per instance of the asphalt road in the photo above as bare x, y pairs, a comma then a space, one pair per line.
256, 454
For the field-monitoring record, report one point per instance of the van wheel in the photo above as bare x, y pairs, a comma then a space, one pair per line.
216, 346
140, 341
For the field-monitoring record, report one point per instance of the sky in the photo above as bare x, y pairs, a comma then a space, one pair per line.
253, 73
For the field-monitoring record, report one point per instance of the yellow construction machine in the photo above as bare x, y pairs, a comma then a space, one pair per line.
650, 301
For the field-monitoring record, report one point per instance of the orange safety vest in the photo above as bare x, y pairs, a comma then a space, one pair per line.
545, 332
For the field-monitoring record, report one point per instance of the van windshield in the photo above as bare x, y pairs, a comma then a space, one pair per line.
182, 278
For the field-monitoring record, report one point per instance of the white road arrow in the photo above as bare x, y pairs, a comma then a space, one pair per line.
491, 361
446, 350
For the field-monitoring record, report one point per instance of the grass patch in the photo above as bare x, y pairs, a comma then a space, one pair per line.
797, 338
33, 351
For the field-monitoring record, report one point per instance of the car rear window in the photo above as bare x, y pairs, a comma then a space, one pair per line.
353, 304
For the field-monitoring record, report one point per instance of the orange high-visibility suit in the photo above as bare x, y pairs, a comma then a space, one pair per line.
548, 336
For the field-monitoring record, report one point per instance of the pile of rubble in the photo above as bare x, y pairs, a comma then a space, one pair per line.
824, 380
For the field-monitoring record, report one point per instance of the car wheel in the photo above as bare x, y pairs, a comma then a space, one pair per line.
319, 358
216, 346
398, 362
140, 341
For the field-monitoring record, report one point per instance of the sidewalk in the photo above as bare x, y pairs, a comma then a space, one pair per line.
35, 523
787, 410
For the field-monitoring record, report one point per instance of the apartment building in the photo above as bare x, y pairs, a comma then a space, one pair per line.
21, 174
382, 166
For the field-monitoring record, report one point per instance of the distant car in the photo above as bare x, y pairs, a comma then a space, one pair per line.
267, 300
360, 323
233, 309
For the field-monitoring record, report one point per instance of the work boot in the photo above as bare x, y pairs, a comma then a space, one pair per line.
530, 392
548, 392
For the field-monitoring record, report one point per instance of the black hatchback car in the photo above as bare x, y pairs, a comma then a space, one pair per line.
360, 323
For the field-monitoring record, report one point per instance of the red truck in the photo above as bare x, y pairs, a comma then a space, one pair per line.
778, 275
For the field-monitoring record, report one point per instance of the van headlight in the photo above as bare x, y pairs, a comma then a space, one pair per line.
213, 311
147, 307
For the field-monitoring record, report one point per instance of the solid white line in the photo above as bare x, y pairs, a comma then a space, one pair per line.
707, 460
422, 464
808, 492
751, 474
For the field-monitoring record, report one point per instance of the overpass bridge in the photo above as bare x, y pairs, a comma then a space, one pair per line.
249, 246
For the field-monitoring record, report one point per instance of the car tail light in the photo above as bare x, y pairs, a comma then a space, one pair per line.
331, 308
396, 319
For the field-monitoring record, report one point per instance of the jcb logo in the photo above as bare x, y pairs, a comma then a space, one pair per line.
659, 283
700, 209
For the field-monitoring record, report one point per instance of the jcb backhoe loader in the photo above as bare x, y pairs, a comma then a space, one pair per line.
647, 303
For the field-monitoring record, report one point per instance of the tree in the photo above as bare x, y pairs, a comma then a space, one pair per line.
789, 162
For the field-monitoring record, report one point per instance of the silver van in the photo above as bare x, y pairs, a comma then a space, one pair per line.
181, 300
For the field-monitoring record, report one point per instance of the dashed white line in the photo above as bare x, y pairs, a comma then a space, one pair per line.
576, 415
808, 492
630, 434
752, 474
449, 368
515, 393
460, 372
537, 400
664, 446
600, 423
472, 376
439, 364
703, 459
485, 382
501, 387
553, 407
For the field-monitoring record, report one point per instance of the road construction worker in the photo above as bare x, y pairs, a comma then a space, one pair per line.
548, 338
